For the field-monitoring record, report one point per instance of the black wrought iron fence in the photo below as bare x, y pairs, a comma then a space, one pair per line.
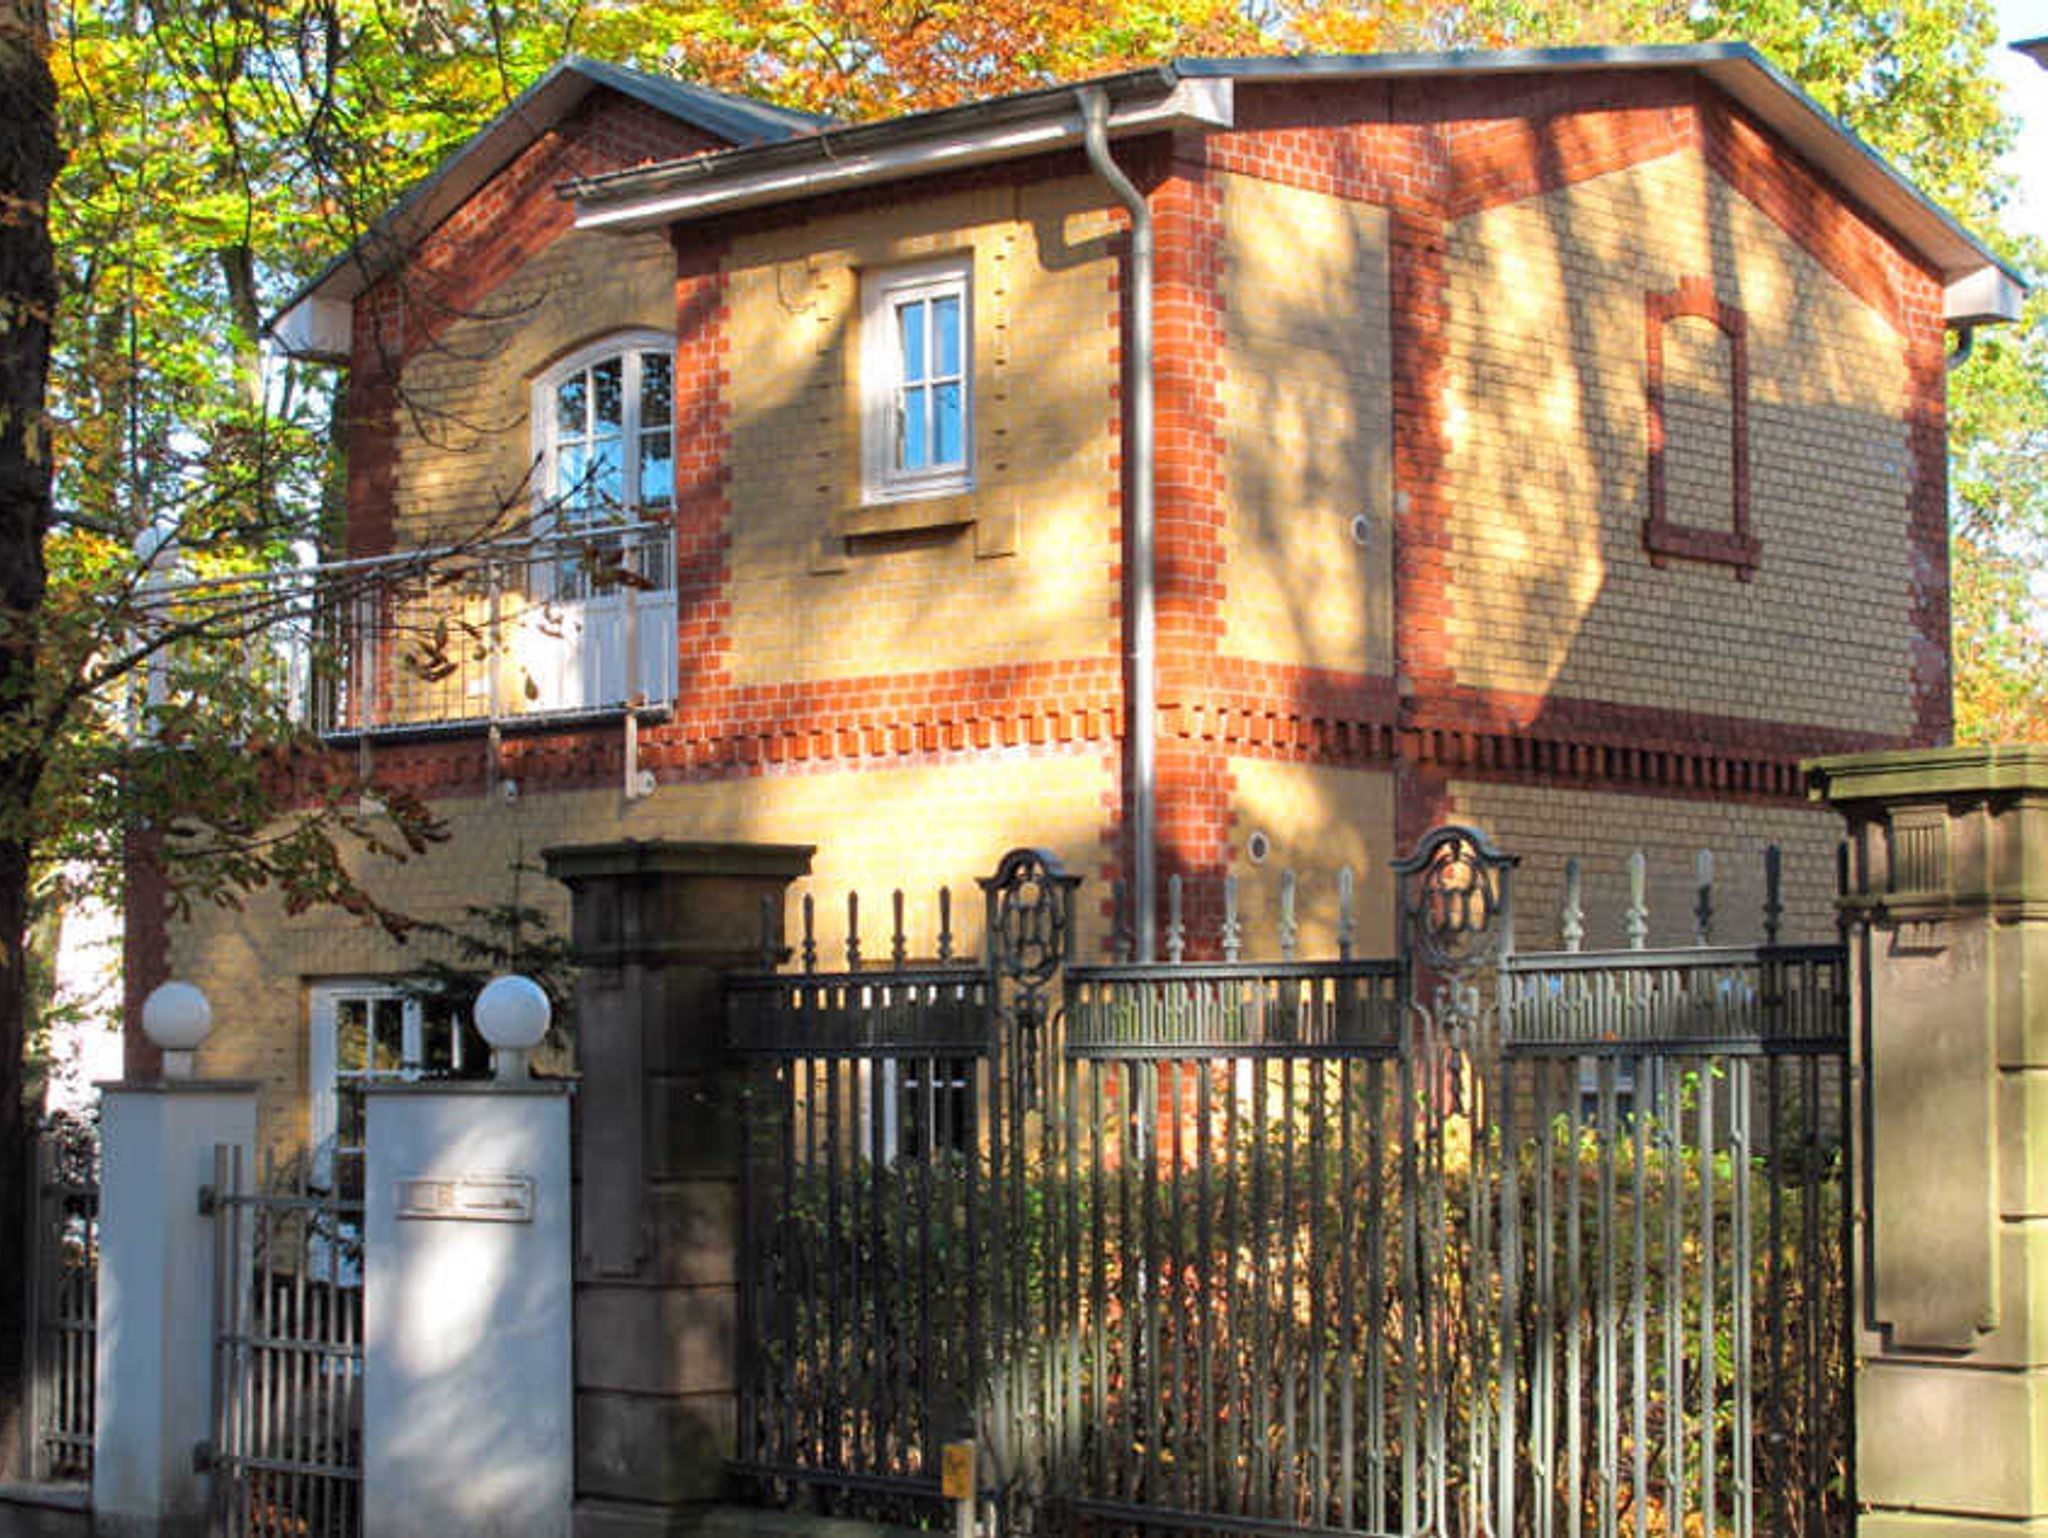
286, 1448
63, 1304
1455, 1242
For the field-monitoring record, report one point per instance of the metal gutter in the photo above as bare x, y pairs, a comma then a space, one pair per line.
1141, 577
868, 154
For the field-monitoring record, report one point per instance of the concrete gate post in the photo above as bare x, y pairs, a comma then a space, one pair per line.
655, 924
154, 1373
1947, 908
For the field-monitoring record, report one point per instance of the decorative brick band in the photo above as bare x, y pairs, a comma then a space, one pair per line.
451, 275
1664, 536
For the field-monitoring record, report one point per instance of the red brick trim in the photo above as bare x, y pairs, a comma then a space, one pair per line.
145, 949
703, 445
454, 270
1422, 513
727, 731
1422, 801
1856, 248
886, 721
1663, 536
1194, 786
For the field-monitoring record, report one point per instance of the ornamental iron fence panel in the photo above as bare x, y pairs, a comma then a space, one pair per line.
1458, 1241
286, 1448
63, 1304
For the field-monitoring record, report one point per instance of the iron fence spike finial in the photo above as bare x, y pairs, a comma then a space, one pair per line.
853, 931
945, 923
1233, 932
1347, 912
899, 948
1290, 928
1638, 919
1176, 930
1572, 922
1703, 909
810, 933
1120, 942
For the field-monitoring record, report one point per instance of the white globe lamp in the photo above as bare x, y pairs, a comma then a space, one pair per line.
512, 1014
177, 1018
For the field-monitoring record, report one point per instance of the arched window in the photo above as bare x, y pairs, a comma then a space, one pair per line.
604, 427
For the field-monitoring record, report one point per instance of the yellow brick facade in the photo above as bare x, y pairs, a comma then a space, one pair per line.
1308, 430
914, 828
1552, 591
1547, 826
810, 591
1317, 822
466, 451
1018, 569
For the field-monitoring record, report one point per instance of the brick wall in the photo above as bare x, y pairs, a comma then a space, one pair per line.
436, 403
1017, 570
1423, 306
1550, 588
943, 820
1307, 429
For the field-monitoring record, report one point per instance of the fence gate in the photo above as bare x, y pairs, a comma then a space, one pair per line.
1455, 1242
288, 1353
63, 1306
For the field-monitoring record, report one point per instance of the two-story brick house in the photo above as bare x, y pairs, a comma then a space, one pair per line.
1551, 441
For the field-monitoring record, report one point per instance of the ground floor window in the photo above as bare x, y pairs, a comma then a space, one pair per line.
366, 1031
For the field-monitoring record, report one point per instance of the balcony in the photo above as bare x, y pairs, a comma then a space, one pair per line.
549, 628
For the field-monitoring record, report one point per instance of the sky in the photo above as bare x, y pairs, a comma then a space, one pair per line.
2027, 95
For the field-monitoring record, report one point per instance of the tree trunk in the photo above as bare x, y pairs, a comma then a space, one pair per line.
28, 164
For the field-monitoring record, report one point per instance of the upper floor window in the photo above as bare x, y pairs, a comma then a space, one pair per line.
917, 380
605, 422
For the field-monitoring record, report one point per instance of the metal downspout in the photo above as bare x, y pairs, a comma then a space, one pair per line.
1140, 573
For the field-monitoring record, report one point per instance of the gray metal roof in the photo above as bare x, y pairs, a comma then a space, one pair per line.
778, 155
1736, 68
736, 119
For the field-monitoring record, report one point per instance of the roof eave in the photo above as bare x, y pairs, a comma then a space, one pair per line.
1980, 287
306, 327
957, 138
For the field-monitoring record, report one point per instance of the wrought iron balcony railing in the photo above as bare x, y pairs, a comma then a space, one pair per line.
554, 626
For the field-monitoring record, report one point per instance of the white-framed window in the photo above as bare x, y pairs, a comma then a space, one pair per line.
917, 380
360, 1032
915, 1107
604, 431
604, 440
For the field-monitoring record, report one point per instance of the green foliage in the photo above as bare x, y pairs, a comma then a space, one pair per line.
494, 938
1298, 1240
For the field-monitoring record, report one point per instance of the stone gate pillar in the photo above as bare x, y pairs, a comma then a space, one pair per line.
655, 924
1947, 909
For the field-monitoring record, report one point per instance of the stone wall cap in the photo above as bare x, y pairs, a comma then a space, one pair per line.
676, 857
177, 1086
50, 1495
1905, 773
486, 1087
